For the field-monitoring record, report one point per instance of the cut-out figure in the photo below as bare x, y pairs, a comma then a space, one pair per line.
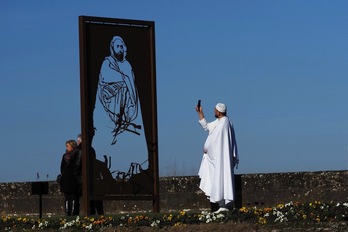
117, 91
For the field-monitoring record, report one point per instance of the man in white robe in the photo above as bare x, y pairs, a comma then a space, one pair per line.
220, 156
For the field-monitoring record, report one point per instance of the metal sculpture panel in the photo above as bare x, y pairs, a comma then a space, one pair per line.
118, 98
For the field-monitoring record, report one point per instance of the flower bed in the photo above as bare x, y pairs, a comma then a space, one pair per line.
315, 212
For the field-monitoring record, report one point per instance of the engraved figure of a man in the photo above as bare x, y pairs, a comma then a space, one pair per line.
116, 89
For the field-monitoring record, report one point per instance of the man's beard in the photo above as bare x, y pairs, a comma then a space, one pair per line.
119, 56
216, 116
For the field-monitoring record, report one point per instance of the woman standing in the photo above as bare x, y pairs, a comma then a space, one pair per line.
71, 180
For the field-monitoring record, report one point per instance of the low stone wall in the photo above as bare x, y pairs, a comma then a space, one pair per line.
272, 189
178, 193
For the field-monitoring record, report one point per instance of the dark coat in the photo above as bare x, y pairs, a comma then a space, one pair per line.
71, 171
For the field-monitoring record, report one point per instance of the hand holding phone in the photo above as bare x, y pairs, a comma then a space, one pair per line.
199, 109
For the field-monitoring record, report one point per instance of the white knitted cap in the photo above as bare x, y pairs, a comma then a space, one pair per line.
221, 107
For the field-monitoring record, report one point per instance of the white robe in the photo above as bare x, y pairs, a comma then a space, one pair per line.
219, 159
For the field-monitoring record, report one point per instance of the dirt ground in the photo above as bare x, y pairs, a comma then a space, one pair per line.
233, 227
225, 227
241, 227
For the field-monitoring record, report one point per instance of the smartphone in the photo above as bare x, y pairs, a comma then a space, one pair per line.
199, 104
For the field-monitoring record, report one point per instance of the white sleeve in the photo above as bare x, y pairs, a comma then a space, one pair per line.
203, 123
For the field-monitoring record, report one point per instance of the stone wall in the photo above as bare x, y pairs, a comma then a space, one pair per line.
178, 193
272, 189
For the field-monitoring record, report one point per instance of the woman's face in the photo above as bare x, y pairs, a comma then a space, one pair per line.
69, 148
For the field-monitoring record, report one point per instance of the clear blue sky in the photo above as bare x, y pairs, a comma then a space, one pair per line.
281, 67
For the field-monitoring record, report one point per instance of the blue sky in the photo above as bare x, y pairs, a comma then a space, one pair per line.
279, 66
